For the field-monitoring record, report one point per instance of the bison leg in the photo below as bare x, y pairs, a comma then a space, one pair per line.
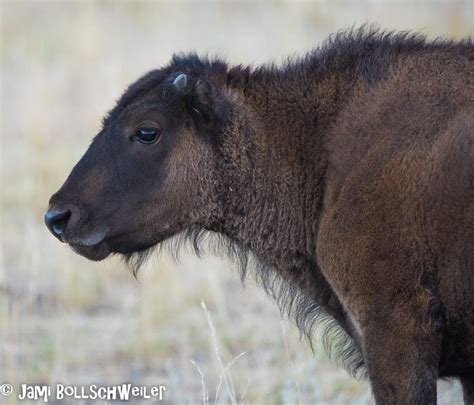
399, 325
468, 389
401, 355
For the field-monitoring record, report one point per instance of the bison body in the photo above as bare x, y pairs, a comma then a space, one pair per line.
348, 174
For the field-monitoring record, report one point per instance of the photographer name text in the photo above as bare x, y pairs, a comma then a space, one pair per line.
122, 392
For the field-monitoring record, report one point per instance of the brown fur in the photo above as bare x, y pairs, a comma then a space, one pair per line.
347, 174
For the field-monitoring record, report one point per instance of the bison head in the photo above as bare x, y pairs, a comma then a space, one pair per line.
153, 170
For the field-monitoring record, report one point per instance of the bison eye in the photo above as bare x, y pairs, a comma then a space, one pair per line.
147, 134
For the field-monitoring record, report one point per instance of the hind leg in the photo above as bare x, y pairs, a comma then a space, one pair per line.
468, 389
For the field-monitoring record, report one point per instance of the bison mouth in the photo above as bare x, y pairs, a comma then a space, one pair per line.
93, 247
123, 244
98, 245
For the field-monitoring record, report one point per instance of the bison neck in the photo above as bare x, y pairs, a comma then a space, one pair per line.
273, 194
273, 198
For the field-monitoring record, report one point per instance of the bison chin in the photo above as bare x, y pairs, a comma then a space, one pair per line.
95, 252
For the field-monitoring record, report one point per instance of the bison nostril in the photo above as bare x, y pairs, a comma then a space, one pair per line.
56, 221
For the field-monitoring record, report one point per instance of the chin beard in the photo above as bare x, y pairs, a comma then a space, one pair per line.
195, 240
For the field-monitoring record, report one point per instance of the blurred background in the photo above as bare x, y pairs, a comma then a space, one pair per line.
191, 326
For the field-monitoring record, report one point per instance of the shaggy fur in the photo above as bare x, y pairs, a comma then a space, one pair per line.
292, 303
343, 179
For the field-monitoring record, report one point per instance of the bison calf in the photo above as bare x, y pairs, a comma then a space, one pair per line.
348, 174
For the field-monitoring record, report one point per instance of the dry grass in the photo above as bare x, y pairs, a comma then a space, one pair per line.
64, 319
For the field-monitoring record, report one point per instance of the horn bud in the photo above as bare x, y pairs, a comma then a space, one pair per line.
180, 82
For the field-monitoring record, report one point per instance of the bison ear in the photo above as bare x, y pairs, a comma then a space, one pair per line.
202, 93
207, 106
